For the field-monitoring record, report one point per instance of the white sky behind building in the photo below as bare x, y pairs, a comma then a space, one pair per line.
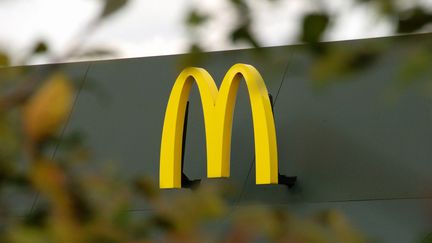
148, 28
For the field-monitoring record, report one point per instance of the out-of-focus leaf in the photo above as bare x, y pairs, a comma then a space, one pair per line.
79, 205
38, 217
48, 108
49, 179
340, 226
72, 140
10, 150
73, 150
9, 140
361, 59
147, 188
242, 11
194, 57
328, 66
427, 239
415, 66
242, 33
334, 63
40, 47
413, 20
195, 48
195, 18
28, 235
4, 60
112, 6
314, 26
258, 220
386, 7
237, 2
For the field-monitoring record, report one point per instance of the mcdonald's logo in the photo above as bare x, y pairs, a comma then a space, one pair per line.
218, 107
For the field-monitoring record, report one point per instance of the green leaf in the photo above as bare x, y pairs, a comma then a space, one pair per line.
40, 47
427, 239
413, 20
242, 33
314, 26
239, 3
4, 60
193, 58
415, 66
112, 6
335, 63
241, 7
195, 48
8, 134
385, 7
195, 18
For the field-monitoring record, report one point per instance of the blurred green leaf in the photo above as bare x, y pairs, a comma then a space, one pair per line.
29, 235
193, 58
242, 33
47, 109
386, 7
239, 4
413, 20
9, 139
38, 217
40, 47
146, 187
195, 18
195, 48
4, 59
415, 66
314, 26
427, 239
112, 6
334, 63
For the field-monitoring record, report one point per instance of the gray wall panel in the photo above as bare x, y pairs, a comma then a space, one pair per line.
358, 137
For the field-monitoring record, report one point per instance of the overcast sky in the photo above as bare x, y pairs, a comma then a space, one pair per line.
147, 28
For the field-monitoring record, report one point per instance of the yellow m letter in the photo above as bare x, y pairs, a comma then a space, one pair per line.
218, 107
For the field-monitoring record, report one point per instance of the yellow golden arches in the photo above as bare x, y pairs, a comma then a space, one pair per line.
218, 108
